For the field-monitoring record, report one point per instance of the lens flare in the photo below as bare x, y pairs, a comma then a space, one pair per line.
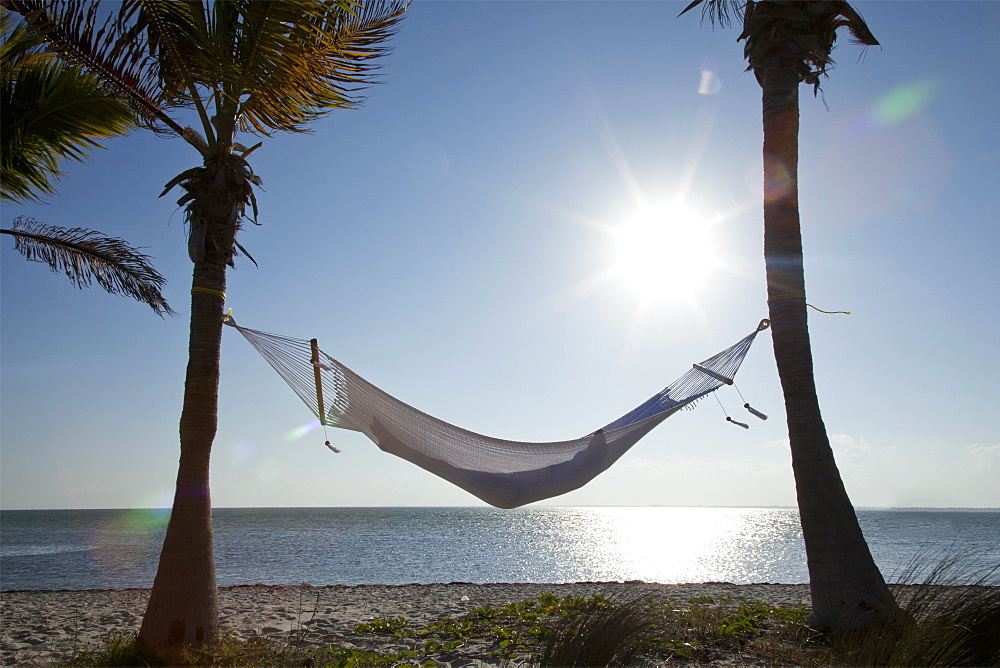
241, 451
709, 83
901, 103
124, 541
154, 504
299, 432
779, 183
147, 519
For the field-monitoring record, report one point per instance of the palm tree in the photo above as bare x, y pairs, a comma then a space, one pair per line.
255, 66
788, 42
52, 112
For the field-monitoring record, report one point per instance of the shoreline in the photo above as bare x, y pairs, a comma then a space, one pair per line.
42, 626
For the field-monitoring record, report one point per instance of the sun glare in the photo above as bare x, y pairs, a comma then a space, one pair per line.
664, 252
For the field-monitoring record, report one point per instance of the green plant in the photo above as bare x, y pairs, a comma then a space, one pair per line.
118, 649
749, 617
513, 629
596, 630
384, 626
944, 623
713, 630
344, 658
602, 633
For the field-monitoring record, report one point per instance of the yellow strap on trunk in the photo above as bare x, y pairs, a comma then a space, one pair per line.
218, 293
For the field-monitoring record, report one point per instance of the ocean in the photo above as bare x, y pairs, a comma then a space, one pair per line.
118, 549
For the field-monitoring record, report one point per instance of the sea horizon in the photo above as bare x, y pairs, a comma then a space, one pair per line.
119, 548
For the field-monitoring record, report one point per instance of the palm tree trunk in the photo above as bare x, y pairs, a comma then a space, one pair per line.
848, 590
183, 607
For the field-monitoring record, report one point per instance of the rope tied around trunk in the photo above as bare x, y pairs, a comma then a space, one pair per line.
802, 297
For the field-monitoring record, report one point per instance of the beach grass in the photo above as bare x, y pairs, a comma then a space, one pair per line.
950, 618
944, 624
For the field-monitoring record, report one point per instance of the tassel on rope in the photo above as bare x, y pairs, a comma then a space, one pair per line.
746, 405
741, 424
729, 419
327, 443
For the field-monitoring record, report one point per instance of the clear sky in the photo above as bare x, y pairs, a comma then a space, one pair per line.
457, 242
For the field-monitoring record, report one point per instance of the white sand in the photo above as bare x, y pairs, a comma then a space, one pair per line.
40, 627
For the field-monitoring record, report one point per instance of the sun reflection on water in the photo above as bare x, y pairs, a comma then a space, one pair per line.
675, 544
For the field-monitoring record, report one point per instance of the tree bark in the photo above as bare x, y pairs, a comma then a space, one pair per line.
183, 607
848, 590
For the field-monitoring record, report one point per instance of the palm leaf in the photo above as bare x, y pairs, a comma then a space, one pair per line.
719, 12
849, 18
293, 62
51, 112
113, 52
86, 256
176, 36
273, 64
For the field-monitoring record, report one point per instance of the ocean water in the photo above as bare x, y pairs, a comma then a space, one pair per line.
115, 549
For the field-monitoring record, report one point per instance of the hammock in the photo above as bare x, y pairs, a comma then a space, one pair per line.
503, 473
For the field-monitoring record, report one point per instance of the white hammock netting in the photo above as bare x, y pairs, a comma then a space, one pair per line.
503, 473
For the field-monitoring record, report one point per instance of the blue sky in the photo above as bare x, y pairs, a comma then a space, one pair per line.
455, 242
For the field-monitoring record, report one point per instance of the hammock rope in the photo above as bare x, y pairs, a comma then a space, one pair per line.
504, 473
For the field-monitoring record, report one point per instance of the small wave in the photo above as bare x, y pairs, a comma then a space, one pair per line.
37, 550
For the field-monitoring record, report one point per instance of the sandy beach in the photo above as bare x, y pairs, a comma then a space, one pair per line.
42, 627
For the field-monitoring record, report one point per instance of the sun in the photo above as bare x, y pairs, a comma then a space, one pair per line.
664, 251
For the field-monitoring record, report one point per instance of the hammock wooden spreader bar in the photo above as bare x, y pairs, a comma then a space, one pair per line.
318, 377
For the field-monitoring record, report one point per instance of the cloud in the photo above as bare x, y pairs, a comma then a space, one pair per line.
851, 449
985, 456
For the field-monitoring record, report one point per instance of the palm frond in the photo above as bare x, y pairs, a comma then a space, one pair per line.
17, 40
86, 256
177, 36
298, 61
108, 49
851, 19
52, 112
719, 12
